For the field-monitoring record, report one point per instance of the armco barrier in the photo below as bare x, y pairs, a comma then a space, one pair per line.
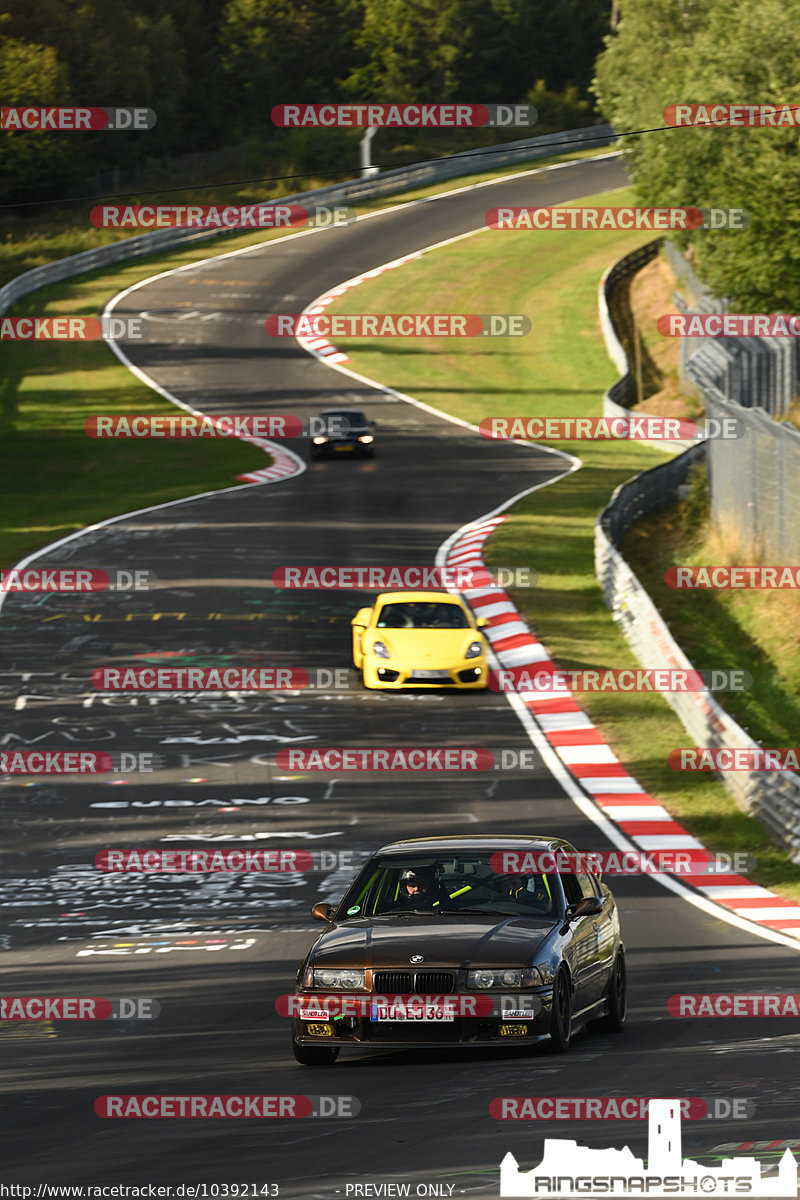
773, 797
612, 300
400, 179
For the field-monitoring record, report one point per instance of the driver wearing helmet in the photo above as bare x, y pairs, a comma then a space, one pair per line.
418, 890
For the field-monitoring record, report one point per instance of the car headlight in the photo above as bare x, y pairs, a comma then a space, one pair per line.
367, 438
319, 441
347, 978
492, 977
507, 977
379, 649
474, 649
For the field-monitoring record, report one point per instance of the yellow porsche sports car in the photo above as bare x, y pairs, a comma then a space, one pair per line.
420, 639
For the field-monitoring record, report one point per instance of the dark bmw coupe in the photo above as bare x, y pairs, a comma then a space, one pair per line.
461, 941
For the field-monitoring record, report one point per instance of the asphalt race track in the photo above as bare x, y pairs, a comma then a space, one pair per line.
216, 951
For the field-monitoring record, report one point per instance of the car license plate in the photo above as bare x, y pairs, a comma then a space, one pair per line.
340, 448
430, 674
412, 1012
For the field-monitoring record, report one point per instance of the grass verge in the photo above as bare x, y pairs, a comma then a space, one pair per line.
559, 369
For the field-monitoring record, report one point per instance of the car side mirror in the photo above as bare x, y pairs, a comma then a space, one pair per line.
482, 622
588, 906
323, 912
361, 619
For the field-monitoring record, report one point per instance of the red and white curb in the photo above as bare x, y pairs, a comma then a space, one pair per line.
283, 465
320, 346
583, 751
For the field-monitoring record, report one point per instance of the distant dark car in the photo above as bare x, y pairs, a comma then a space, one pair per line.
342, 431
435, 943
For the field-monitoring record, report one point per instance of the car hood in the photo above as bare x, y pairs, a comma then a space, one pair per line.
486, 941
428, 647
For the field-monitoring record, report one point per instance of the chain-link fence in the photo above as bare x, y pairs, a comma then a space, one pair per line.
760, 466
754, 482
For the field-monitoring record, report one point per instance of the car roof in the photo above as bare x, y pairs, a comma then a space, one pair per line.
421, 594
325, 412
477, 841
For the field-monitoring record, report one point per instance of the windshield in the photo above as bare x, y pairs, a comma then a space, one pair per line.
424, 614
448, 884
343, 422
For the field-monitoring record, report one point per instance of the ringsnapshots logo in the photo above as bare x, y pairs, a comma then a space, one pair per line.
413, 325
659, 220
570, 1170
215, 216
402, 578
729, 116
73, 329
644, 428
71, 120
403, 116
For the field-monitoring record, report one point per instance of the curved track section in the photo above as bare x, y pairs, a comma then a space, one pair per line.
216, 951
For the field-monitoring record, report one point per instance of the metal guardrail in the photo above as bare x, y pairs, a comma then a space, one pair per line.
399, 179
621, 396
772, 797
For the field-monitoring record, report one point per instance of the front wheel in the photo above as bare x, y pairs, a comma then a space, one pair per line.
561, 1015
614, 1020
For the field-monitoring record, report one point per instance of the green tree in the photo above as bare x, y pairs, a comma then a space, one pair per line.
741, 51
